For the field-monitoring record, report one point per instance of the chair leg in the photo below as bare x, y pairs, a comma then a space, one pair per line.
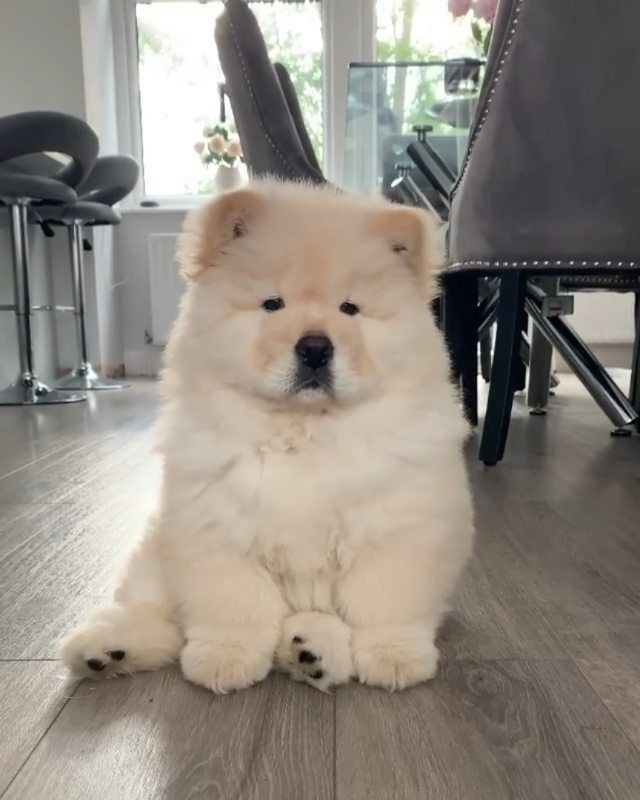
541, 360
485, 357
83, 376
523, 362
634, 392
460, 311
27, 390
592, 374
504, 374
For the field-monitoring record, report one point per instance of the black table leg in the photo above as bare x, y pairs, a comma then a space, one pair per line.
504, 375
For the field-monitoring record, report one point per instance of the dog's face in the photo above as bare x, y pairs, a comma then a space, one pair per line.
302, 296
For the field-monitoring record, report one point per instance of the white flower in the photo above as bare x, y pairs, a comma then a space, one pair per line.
199, 148
234, 148
207, 131
217, 144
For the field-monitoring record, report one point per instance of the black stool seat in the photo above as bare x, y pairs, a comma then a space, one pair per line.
110, 180
83, 211
37, 189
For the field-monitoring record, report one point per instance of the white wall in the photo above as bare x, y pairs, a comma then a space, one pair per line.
40, 58
97, 36
40, 68
132, 259
58, 55
604, 318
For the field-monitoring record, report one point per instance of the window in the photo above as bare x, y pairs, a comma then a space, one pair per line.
418, 30
179, 75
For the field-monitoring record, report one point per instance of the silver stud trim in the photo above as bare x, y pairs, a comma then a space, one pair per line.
555, 264
515, 14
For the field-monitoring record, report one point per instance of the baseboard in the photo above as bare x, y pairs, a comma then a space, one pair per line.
145, 363
109, 371
614, 355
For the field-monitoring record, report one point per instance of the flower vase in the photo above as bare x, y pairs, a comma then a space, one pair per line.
227, 178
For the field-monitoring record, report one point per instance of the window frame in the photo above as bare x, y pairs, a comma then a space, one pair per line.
348, 35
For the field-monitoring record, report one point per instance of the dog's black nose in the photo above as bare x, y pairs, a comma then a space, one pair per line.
314, 350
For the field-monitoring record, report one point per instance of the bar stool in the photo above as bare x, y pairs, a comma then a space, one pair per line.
111, 179
25, 134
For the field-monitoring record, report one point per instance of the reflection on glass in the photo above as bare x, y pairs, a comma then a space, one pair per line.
440, 94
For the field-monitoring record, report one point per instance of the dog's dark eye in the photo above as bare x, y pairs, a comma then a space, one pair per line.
349, 308
273, 304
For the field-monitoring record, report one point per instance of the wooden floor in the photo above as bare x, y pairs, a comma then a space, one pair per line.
538, 696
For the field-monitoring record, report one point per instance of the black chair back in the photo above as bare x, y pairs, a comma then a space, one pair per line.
291, 96
34, 132
111, 180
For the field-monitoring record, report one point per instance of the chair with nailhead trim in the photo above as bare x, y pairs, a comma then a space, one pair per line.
550, 186
270, 140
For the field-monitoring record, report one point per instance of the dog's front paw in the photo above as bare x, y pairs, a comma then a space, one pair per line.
394, 657
224, 666
119, 640
316, 648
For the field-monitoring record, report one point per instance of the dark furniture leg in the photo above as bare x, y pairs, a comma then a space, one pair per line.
541, 359
523, 363
504, 375
485, 357
634, 392
460, 312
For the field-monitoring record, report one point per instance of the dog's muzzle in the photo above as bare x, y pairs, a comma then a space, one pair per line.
314, 354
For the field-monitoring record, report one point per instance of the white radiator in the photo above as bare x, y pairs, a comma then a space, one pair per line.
167, 285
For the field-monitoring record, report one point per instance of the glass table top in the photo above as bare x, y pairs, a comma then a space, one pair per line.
385, 102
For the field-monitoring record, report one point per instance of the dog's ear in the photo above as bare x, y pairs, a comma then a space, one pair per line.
214, 226
411, 234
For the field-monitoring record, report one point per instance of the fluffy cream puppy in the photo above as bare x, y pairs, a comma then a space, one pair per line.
315, 513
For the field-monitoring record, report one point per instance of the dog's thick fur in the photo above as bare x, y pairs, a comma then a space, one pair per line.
318, 531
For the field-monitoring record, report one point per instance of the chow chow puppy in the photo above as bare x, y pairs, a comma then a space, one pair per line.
315, 513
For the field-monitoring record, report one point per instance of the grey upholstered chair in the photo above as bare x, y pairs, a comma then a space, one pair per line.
111, 180
30, 133
551, 181
293, 104
270, 140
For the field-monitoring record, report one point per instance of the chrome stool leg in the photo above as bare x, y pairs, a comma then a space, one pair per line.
27, 390
83, 376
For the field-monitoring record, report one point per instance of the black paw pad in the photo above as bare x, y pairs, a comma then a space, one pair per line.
95, 664
297, 640
317, 675
116, 655
306, 657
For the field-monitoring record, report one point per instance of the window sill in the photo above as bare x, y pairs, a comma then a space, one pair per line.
168, 204
175, 208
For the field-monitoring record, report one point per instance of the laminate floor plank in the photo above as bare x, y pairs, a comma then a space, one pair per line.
32, 694
69, 561
501, 730
538, 692
154, 736
609, 658
31, 434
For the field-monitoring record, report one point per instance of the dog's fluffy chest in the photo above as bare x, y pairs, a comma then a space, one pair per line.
304, 494
289, 493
